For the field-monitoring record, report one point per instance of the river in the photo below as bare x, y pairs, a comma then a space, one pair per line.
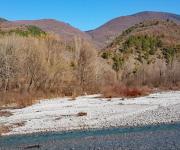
152, 137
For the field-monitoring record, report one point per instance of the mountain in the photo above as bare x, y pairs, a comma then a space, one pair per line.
146, 43
66, 31
147, 53
107, 32
166, 31
2, 20
101, 36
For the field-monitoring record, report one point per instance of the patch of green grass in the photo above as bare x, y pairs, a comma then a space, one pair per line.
28, 31
106, 55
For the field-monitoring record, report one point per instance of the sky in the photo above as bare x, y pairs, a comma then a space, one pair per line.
82, 14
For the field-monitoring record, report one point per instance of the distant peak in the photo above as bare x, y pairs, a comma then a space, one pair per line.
148, 12
2, 19
48, 20
151, 12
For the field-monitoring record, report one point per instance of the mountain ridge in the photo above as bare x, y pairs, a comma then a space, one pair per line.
104, 34
101, 36
2, 20
64, 30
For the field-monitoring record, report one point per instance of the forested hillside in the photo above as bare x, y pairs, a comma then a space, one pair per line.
106, 33
36, 63
147, 54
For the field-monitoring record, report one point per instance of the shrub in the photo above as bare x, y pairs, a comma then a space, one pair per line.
4, 129
5, 113
118, 62
80, 114
25, 32
106, 55
17, 100
169, 54
35, 31
124, 91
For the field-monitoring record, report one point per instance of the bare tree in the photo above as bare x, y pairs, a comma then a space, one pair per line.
85, 65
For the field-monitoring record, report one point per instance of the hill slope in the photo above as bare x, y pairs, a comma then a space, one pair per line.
107, 32
147, 53
65, 31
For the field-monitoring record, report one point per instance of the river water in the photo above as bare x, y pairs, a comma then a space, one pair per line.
153, 137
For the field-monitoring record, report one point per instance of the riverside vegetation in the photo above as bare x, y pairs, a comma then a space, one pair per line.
35, 64
147, 54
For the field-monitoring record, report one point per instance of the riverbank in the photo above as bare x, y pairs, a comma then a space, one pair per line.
90, 112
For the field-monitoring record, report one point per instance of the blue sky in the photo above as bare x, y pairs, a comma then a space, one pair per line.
83, 14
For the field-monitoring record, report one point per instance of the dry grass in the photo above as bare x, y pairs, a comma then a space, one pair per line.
16, 99
5, 114
22, 99
19, 124
124, 91
4, 129
80, 114
73, 97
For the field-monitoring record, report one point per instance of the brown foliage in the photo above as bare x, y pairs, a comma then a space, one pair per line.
17, 100
85, 68
4, 129
80, 114
32, 68
124, 91
5, 113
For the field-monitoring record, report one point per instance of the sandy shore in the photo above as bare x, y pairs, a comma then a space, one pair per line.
62, 114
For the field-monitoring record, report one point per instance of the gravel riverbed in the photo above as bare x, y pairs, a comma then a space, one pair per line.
62, 114
169, 114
